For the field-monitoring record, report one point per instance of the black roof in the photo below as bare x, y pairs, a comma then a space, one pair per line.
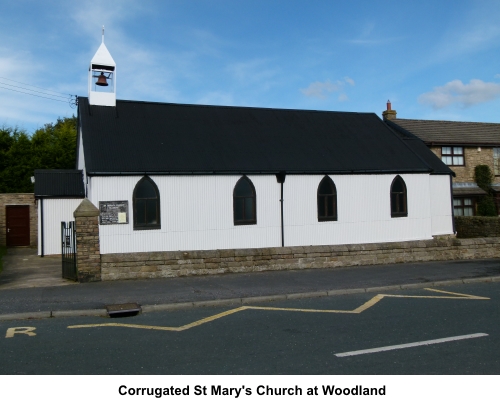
145, 137
59, 183
421, 149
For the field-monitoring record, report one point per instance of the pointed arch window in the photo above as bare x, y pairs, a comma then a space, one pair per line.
399, 206
146, 201
327, 200
244, 202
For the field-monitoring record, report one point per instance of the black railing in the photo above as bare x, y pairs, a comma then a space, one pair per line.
68, 250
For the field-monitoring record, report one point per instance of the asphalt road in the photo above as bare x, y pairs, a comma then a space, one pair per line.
299, 338
237, 285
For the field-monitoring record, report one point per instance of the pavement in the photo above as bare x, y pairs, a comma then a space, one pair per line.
23, 268
32, 287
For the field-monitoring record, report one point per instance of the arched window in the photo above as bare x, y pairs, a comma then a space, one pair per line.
146, 205
399, 207
327, 200
244, 202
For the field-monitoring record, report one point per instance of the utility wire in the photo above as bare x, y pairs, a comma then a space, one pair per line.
26, 84
36, 95
35, 91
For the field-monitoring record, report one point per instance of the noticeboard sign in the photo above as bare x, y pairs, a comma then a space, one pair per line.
113, 212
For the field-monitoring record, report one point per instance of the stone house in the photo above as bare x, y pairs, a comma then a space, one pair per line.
462, 146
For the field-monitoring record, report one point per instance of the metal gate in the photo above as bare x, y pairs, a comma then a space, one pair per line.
68, 250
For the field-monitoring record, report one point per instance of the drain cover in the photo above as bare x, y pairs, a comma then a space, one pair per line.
123, 309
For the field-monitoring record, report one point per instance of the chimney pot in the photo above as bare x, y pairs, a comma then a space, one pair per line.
389, 114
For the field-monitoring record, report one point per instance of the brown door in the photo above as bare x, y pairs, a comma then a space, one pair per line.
18, 225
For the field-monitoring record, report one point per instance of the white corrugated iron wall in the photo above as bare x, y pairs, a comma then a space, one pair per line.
196, 214
364, 210
54, 212
442, 220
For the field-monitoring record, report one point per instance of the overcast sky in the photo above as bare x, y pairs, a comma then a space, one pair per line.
432, 59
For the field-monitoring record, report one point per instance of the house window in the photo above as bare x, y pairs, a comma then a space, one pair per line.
463, 207
327, 200
452, 155
398, 198
496, 161
244, 202
146, 205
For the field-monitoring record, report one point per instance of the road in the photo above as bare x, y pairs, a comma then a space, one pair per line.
309, 336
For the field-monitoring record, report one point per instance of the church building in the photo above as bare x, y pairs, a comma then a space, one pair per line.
170, 177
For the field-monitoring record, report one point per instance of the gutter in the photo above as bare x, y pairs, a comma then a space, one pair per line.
249, 172
452, 208
460, 143
280, 178
41, 226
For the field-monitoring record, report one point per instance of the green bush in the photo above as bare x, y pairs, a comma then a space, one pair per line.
486, 207
483, 177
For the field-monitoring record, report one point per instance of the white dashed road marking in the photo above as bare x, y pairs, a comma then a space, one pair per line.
406, 345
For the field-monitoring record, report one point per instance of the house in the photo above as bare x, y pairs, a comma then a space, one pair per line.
170, 177
460, 145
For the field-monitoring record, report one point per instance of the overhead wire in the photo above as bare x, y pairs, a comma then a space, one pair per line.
36, 95
35, 91
53, 95
26, 84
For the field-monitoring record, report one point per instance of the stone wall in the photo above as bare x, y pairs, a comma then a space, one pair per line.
176, 264
477, 227
19, 199
473, 157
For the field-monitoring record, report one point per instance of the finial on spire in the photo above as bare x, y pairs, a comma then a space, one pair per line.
103, 34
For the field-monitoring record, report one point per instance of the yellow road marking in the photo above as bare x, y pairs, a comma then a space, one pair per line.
170, 328
368, 304
21, 330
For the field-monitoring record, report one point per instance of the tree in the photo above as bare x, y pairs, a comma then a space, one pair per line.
51, 147
54, 145
16, 168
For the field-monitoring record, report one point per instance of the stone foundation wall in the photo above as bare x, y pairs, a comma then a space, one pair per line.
177, 264
477, 227
19, 199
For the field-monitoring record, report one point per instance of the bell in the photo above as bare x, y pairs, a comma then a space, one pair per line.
101, 80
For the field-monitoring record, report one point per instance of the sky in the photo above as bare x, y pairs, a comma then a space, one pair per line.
435, 60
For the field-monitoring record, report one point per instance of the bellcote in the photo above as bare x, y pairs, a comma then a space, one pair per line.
102, 77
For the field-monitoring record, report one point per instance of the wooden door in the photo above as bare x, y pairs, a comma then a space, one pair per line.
18, 225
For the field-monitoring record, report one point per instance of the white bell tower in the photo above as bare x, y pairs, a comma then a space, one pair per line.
102, 77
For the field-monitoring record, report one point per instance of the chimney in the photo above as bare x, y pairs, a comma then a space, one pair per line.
389, 114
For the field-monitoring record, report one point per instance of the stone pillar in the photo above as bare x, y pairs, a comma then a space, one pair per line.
88, 254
